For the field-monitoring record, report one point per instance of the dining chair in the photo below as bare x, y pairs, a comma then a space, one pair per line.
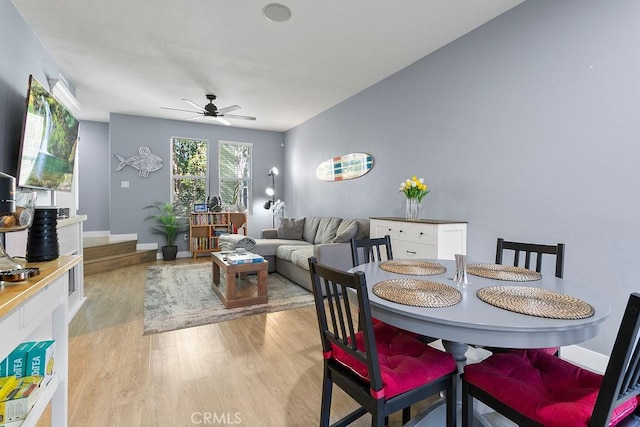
530, 249
532, 387
382, 368
370, 250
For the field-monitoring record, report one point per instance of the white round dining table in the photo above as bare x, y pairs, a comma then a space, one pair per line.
473, 321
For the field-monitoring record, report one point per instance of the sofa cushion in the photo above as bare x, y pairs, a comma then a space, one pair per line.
268, 247
310, 227
295, 254
290, 228
346, 231
327, 230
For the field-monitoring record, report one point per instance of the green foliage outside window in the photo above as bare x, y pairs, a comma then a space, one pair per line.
234, 161
189, 163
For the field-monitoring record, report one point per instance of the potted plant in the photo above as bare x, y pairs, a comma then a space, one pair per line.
169, 224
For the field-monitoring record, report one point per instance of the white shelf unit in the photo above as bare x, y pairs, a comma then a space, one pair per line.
34, 310
70, 232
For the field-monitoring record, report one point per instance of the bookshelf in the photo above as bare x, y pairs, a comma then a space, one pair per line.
206, 227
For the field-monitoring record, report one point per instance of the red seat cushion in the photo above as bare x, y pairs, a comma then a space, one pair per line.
542, 387
405, 363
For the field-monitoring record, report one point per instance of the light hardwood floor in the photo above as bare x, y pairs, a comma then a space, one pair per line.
262, 370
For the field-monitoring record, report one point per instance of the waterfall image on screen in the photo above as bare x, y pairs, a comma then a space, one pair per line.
49, 139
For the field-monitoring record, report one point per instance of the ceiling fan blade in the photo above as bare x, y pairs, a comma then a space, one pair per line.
195, 117
194, 105
178, 109
233, 116
228, 109
223, 121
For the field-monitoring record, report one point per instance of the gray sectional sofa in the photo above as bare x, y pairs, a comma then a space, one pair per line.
327, 238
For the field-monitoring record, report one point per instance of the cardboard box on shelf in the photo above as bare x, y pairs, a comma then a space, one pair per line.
40, 360
17, 359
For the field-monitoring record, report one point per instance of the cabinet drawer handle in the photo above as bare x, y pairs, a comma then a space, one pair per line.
400, 231
421, 233
412, 252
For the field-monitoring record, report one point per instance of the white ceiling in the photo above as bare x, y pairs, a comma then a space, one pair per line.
134, 56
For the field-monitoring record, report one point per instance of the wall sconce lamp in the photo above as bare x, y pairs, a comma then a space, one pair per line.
271, 191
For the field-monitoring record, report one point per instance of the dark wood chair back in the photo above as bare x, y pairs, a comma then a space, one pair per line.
621, 380
348, 348
370, 250
336, 316
530, 249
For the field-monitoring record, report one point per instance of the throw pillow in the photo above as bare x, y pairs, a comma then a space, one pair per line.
327, 230
363, 229
290, 228
310, 228
346, 231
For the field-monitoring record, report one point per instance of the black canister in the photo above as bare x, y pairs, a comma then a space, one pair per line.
42, 240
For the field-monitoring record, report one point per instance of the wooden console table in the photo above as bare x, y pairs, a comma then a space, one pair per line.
34, 310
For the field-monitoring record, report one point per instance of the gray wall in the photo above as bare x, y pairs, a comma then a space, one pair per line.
526, 127
127, 133
21, 54
93, 175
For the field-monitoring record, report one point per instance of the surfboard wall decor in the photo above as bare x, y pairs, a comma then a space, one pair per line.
347, 166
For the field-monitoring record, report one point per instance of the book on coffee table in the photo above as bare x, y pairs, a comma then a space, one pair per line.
246, 258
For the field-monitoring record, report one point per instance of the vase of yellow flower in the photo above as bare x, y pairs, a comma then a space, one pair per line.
414, 189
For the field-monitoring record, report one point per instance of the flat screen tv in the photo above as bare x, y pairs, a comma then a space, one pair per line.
48, 145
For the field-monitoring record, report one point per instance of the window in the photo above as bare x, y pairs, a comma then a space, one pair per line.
235, 171
189, 173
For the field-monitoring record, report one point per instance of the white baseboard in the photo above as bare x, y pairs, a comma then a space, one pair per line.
586, 358
104, 233
146, 246
121, 237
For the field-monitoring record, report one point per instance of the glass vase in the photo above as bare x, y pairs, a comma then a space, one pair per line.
412, 210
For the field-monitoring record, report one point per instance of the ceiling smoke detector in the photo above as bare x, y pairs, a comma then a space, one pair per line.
276, 12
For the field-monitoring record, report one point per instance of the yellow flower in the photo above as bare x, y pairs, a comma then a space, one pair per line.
414, 188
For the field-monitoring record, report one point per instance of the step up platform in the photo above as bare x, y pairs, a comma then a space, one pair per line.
102, 254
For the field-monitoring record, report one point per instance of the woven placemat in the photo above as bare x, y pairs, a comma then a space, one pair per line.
414, 268
503, 272
418, 293
536, 302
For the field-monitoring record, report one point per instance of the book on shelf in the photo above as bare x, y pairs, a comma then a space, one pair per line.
16, 405
246, 258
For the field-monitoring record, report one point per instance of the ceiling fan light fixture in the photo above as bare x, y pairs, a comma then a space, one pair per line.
276, 12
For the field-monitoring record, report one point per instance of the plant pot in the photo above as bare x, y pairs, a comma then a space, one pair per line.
169, 253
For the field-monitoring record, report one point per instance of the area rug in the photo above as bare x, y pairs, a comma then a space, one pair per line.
180, 296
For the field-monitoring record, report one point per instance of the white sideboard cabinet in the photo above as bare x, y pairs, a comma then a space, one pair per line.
423, 238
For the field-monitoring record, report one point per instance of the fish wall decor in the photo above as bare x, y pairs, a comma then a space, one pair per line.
145, 161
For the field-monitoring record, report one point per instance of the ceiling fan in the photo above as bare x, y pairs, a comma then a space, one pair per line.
212, 112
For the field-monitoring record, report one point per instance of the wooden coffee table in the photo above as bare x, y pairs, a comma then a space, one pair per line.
238, 290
